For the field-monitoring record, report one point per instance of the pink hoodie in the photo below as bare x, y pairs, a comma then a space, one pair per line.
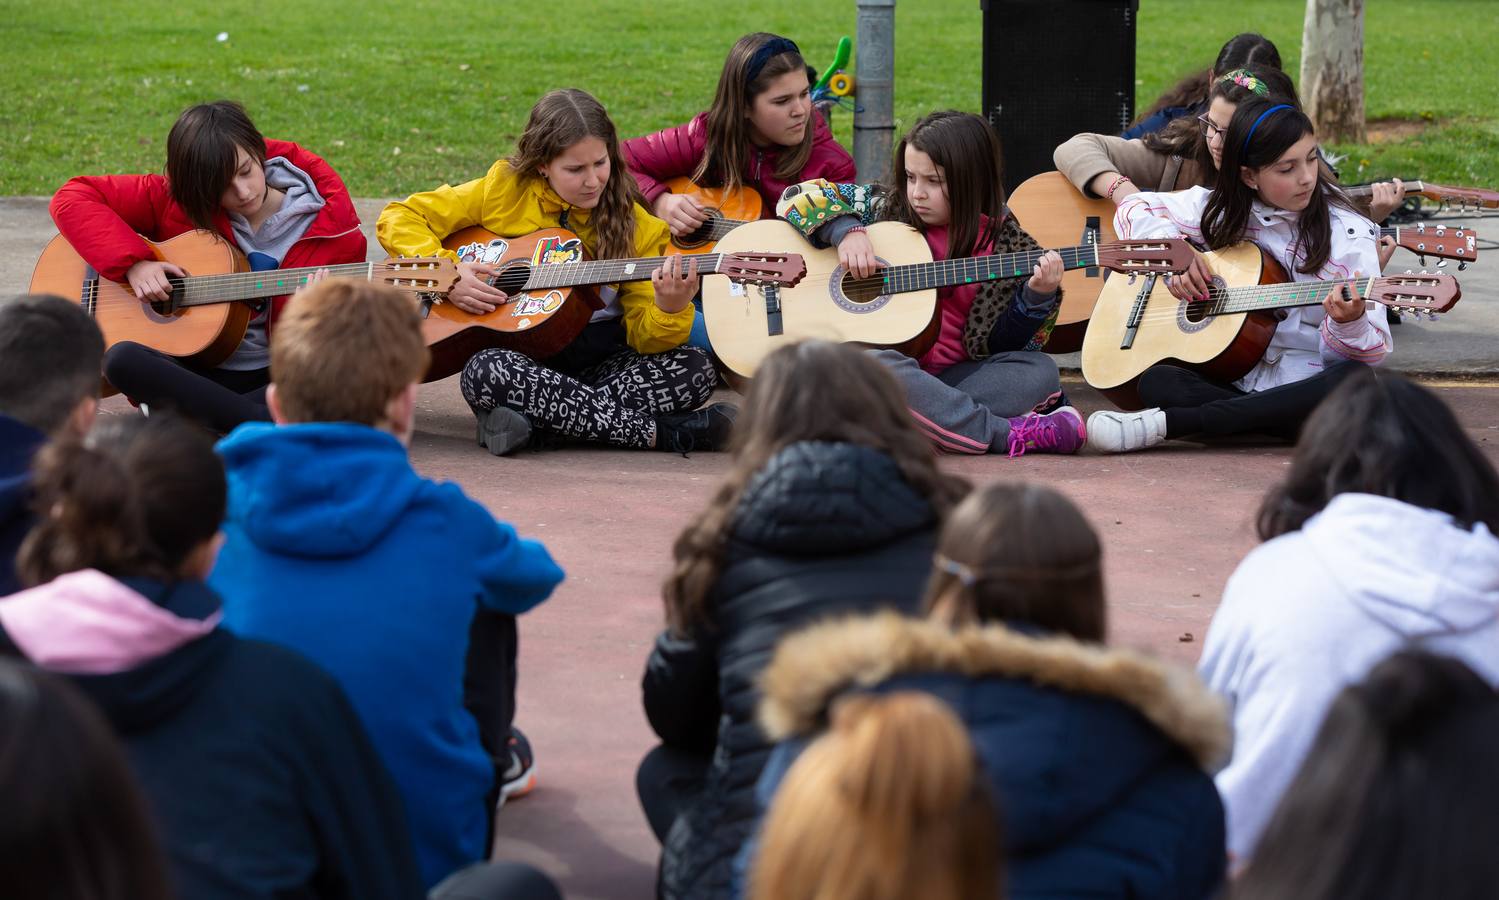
86, 623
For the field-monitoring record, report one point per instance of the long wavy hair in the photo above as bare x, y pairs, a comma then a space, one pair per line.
559, 120
1381, 433
807, 391
1246, 146
889, 803
1243, 51
727, 155
1184, 137
968, 152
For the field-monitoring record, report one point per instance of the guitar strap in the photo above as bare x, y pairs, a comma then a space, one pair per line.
1168, 178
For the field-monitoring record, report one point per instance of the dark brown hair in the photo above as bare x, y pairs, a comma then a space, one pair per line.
1381, 433
1247, 50
76, 826
559, 120
855, 401
1252, 146
727, 154
52, 352
343, 349
1183, 137
889, 803
1021, 553
134, 498
202, 156
967, 151
1396, 798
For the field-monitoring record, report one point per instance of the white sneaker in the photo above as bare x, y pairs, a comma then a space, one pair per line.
1122, 432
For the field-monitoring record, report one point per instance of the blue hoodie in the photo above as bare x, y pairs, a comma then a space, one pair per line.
334, 546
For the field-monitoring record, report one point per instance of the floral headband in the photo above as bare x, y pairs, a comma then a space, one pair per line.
1246, 80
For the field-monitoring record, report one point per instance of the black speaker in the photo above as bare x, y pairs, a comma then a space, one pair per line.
1052, 69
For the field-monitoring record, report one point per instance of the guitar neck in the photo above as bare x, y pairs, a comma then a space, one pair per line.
204, 290
1267, 297
1412, 186
613, 271
977, 269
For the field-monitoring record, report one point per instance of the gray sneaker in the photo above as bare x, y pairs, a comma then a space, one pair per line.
502, 430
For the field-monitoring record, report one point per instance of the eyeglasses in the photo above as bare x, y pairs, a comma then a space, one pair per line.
1209, 129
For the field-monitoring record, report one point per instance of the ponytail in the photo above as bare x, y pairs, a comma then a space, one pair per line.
889, 804
134, 499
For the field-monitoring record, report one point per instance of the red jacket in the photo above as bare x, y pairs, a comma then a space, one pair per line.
676, 152
104, 217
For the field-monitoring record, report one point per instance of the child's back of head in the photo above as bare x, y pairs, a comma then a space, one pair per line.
346, 351
53, 353
1020, 553
889, 803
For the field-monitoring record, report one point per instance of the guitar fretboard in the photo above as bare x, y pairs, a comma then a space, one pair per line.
970, 270
1264, 297
611, 271
203, 290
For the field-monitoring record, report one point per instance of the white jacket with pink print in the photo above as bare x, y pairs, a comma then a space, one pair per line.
1306, 341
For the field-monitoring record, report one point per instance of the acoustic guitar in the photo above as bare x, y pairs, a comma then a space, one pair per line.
1054, 213
896, 307
551, 291
727, 209
1225, 336
205, 318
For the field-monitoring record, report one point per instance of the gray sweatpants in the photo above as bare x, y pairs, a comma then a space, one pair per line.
966, 408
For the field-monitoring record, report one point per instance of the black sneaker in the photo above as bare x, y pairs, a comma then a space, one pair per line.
704, 429
502, 430
519, 777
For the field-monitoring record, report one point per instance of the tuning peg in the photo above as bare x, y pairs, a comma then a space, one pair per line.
1462, 266
1441, 264
1409, 272
1421, 261
1133, 277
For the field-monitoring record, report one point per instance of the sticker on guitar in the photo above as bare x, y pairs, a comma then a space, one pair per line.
555, 251
526, 305
486, 253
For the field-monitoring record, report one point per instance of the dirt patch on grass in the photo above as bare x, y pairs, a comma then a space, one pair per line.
1389, 131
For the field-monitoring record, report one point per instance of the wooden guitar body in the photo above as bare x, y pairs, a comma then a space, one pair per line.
1223, 347
726, 208
537, 323
202, 335
1057, 214
743, 324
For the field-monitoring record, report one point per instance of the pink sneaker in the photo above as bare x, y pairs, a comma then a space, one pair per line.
1060, 431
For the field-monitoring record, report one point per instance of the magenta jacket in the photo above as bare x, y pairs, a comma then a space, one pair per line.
676, 152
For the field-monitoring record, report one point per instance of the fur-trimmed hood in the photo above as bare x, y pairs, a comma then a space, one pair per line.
813, 667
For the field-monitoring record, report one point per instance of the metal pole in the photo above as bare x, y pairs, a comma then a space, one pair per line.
874, 88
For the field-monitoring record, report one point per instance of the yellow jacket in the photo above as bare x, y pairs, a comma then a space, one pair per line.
511, 207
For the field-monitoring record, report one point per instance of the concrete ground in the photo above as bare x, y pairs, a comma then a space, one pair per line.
1174, 523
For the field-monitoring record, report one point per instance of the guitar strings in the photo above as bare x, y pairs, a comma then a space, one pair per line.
1252, 298
226, 287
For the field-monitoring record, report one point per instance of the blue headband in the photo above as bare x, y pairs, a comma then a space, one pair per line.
1245, 149
768, 50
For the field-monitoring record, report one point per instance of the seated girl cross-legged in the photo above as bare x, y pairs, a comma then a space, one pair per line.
1270, 190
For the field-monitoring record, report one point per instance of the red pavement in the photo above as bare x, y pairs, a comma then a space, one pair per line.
1174, 522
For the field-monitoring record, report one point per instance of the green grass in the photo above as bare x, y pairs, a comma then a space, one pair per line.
93, 87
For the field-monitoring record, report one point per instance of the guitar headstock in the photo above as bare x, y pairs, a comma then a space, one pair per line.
1477, 198
1418, 293
1160, 256
424, 274
1441, 241
784, 269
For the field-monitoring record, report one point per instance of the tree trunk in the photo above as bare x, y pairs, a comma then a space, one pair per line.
1332, 69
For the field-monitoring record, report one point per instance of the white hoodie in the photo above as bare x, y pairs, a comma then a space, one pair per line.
1312, 611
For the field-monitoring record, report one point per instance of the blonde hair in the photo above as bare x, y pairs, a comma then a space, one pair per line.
344, 349
559, 120
890, 803
727, 153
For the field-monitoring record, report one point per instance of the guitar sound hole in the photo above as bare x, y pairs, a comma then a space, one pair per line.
862, 290
512, 278
704, 232
1196, 311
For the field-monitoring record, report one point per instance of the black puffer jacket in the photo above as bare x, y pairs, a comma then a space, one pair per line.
823, 530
